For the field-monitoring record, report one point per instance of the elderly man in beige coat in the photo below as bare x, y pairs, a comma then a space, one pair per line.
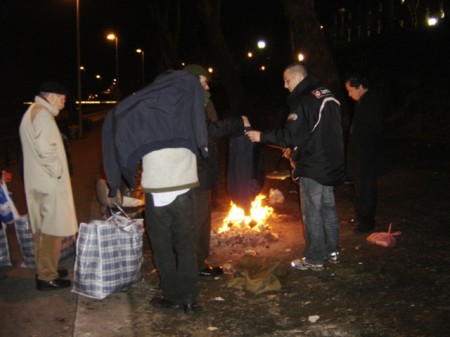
47, 184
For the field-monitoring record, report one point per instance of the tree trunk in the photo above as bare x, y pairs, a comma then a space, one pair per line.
307, 37
165, 16
413, 5
209, 15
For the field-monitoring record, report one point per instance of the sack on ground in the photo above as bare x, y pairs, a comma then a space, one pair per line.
257, 274
5, 258
384, 239
8, 211
108, 256
25, 239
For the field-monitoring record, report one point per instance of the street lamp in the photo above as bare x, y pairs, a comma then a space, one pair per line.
140, 51
80, 116
115, 38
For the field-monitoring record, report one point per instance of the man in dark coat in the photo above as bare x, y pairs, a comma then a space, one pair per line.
313, 133
208, 172
365, 157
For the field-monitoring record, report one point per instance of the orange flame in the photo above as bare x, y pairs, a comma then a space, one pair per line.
236, 218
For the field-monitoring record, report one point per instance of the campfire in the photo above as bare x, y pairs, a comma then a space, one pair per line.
247, 229
237, 220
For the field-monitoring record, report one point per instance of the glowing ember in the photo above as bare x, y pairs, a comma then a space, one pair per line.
237, 220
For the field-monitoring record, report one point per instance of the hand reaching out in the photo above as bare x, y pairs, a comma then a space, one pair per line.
254, 136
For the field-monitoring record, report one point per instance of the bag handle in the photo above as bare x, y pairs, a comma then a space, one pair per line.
118, 210
395, 233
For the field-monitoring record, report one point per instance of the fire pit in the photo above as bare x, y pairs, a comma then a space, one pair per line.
246, 230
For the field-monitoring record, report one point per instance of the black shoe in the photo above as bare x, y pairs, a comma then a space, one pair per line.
53, 284
161, 302
211, 271
192, 308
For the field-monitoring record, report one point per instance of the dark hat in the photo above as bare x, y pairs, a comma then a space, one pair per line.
198, 70
53, 87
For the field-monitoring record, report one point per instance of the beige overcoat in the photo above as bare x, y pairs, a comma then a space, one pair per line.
47, 180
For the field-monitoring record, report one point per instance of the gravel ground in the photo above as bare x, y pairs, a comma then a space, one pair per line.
373, 291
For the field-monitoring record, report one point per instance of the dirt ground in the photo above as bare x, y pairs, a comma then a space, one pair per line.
373, 291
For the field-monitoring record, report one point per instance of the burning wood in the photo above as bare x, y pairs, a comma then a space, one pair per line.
251, 230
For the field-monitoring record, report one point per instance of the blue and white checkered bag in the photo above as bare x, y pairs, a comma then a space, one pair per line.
5, 258
25, 239
108, 257
8, 211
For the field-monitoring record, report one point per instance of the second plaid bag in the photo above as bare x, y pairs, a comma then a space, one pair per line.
26, 243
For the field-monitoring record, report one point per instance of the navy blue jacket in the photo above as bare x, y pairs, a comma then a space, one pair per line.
168, 113
208, 168
245, 171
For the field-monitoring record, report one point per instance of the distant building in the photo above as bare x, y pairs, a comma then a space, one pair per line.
359, 20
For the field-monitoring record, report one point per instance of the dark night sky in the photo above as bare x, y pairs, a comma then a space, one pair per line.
38, 40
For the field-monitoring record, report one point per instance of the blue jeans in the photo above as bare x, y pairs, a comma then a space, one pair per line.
320, 220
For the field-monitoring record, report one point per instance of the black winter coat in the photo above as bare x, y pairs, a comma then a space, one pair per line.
365, 145
313, 131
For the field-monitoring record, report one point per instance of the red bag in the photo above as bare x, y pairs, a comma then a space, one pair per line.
384, 239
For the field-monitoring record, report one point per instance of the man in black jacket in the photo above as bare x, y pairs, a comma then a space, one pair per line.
208, 172
365, 157
313, 133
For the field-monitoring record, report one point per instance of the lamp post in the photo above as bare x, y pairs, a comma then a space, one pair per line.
140, 51
116, 39
80, 115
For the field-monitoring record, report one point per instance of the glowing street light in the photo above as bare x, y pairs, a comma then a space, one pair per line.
300, 57
261, 44
432, 21
140, 51
114, 37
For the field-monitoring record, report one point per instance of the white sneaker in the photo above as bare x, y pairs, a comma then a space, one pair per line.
302, 264
334, 257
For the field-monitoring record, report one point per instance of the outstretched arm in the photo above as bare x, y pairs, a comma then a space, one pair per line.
254, 135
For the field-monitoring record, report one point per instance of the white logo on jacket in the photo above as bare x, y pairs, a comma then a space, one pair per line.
319, 93
292, 117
